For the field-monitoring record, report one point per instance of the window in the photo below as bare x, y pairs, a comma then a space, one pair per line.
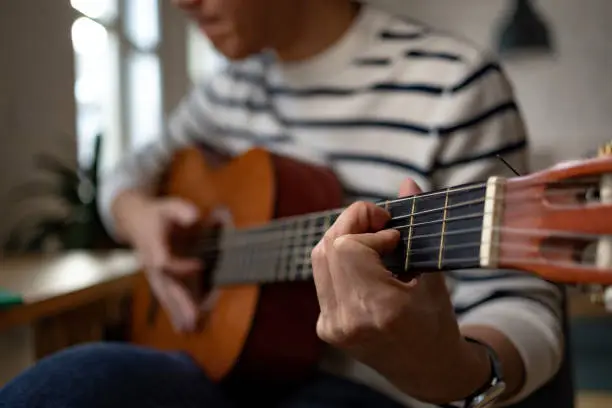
94, 40
118, 81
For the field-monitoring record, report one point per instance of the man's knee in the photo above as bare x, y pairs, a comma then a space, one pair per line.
100, 374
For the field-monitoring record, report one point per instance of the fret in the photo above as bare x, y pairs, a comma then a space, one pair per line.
443, 231
296, 238
432, 225
285, 256
298, 248
280, 252
409, 240
267, 252
327, 222
465, 214
310, 236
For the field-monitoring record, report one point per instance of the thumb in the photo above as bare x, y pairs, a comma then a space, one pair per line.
382, 242
409, 187
180, 211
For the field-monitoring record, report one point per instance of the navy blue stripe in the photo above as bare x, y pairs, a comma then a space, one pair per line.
509, 294
433, 55
418, 88
510, 148
387, 87
506, 106
332, 91
398, 35
372, 61
247, 104
490, 67
403, 126
255, 79
383, 87
259, 139
310, 92
337, 157
258, 80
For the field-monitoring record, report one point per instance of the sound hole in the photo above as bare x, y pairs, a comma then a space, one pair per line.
202, 242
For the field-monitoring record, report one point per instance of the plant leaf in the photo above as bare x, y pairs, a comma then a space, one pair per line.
32, 189
50, 163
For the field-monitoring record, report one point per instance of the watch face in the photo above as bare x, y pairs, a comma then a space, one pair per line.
488, 398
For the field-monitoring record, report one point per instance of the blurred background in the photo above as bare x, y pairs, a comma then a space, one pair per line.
82, 81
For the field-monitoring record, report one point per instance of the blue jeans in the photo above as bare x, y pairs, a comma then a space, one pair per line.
119, 375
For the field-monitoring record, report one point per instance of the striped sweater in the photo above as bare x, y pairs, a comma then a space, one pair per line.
391, 99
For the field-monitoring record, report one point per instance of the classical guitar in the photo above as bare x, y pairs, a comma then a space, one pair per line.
554, 223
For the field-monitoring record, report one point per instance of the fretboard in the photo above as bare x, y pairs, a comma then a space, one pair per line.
440, 230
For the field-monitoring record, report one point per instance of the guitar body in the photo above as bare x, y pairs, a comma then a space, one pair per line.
260, 333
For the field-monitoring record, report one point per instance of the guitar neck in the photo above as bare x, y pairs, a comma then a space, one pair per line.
442, 230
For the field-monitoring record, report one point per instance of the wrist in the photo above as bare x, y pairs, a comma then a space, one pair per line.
127, 204
465, 373
458, 375
472, 371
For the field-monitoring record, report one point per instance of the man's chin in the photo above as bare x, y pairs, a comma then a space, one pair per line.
235, 52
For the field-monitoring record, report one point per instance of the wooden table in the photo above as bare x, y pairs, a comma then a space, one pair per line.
67, 298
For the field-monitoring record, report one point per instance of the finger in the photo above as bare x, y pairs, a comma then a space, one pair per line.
183, 305
154, 253
220, 216
183, 266
179, 211
409, 187
382, 242
357, 269
210, 301
359, 218
323, 281
356, 260
175, 303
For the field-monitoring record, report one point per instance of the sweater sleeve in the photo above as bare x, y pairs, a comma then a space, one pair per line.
479, 121
192, 122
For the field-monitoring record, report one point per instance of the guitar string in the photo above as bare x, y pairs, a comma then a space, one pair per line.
296, 270
546, 248
525, 186
524, 260
241, 239
549, 248
508, 199
514, 196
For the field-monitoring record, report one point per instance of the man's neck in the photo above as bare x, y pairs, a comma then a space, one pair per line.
322, 24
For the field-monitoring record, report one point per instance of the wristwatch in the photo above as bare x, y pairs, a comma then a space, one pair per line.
490, 392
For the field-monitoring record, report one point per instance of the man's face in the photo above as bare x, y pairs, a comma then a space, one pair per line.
240, 28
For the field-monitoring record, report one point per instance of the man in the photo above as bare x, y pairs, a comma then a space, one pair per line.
378, 99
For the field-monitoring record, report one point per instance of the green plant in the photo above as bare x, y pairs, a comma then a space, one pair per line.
80, 227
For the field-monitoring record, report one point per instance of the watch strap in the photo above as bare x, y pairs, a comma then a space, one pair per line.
496, 377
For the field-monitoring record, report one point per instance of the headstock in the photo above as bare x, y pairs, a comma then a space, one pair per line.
557, 223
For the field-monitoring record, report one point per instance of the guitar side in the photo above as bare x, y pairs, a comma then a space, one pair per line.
265, 333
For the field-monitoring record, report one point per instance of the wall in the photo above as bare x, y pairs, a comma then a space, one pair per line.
36, 92
566, 100
36, 114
